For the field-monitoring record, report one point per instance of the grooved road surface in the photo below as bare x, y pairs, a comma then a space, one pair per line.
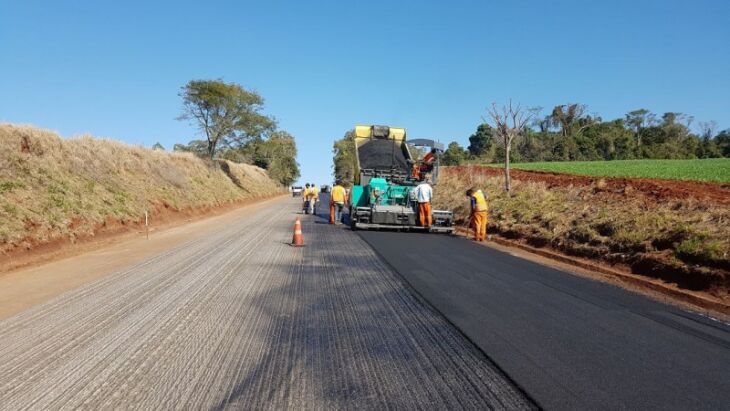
569, 342
242, 320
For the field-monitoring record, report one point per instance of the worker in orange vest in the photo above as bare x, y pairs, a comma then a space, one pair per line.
338, 197
429, 158
478, 217
427, 163
424, 194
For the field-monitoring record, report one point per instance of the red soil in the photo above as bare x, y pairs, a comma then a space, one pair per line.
658, 189
33, 252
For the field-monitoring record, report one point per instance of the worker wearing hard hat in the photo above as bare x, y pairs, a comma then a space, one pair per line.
313, 198
338, 197
478, 202
424, 194
305, 199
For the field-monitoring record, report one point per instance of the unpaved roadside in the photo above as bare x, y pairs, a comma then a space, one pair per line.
27, 287
112, 232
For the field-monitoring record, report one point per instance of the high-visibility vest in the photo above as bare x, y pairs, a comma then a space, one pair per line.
481, 202
338, 194
428, 158
305, 193
314, 193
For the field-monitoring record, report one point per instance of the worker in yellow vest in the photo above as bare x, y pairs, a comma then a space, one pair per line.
313, 198
305, 199
478, 202
338, 197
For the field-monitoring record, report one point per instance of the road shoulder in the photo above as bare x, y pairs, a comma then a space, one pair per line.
28, 286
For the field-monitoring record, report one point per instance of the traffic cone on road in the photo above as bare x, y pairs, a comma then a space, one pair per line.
298, 240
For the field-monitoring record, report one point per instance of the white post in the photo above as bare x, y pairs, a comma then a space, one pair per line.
146, 224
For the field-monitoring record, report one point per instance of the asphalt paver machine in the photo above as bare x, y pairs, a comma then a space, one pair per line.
383, 195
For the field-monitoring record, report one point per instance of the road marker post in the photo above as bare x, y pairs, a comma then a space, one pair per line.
146, 224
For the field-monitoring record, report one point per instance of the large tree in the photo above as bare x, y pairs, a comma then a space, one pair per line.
454, 155
225, 113
638, 120
571, 119
278, 155
343, 151
480, 143
723, 142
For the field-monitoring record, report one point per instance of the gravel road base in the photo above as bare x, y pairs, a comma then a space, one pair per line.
240, 319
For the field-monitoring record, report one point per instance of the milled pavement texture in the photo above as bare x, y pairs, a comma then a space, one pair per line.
242, 320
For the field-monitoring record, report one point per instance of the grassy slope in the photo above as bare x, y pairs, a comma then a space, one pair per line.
670, 239
715, 169
53, 188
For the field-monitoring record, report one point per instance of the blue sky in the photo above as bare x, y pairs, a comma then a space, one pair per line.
114, 69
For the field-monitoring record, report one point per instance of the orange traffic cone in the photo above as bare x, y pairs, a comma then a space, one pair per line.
298, 240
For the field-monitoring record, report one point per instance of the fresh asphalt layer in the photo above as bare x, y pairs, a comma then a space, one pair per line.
567, 341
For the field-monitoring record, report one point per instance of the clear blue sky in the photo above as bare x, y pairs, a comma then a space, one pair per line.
114, 69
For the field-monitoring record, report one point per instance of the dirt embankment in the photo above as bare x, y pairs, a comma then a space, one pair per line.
676, 231
660, 190
57, 192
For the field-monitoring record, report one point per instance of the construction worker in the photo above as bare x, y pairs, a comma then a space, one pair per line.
424, 194
305, 199
338, 197
429, 158
415, 171
478, 217
314, 198
426, 164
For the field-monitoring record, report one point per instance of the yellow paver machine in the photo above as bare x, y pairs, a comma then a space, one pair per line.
387, 171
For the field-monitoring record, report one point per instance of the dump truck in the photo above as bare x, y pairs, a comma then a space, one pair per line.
383, 195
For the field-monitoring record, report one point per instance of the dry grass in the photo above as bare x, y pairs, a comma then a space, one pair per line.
670, 239
53, 188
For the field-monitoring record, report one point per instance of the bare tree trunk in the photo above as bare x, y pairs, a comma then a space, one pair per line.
507, 180
509, 131
211, 149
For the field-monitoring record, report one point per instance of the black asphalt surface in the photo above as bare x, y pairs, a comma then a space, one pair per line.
567, 341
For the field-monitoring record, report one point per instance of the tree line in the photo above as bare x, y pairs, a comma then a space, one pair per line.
343, 158
232, 121
570, 133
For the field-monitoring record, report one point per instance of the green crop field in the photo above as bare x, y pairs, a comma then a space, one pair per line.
714, 170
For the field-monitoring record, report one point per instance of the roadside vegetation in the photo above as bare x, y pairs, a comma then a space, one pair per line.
605, 190
343, 158
53, 188
231, 120
713, 169
680, 239
570, 133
